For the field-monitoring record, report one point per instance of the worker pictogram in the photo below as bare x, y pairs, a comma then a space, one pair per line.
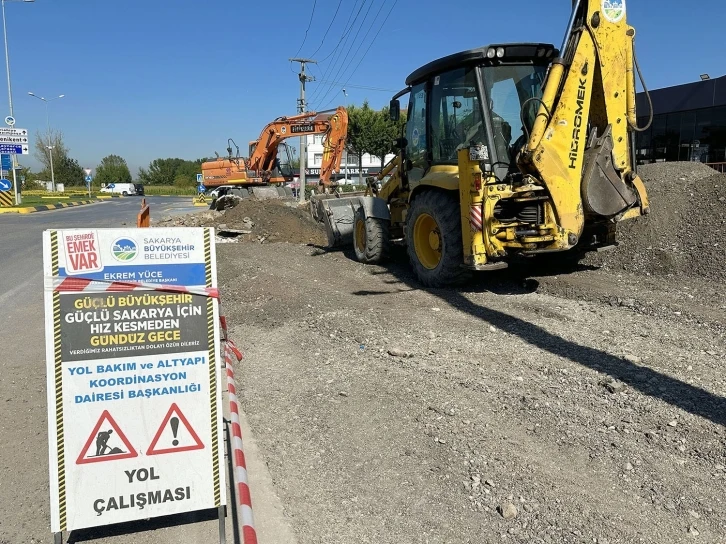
107, 442
175, 434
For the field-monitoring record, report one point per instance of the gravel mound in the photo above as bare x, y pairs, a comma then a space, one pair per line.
254, 220
682, 236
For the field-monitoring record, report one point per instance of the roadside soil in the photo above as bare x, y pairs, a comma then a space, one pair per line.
558, 407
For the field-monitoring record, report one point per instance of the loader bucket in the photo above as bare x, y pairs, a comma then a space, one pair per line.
336, 213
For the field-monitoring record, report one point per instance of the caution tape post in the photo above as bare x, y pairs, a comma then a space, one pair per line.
243, 501
133, 376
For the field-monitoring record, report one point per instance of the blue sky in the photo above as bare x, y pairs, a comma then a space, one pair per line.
162, 78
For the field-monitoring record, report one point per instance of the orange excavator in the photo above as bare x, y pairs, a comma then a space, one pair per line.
264, 167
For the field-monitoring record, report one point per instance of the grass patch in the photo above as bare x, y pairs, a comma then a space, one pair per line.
32, 200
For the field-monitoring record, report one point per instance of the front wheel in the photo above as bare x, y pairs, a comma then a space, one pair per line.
370, 237
434, 241
125, 193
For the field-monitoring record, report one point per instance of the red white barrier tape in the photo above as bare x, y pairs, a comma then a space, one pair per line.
77, 285
244, 500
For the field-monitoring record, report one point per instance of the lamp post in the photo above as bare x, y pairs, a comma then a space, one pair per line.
10, 92
47, 121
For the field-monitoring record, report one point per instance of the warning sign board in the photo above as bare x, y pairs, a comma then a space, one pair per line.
134, 384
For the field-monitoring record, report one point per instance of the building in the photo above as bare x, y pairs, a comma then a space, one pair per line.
348, 166
689, 123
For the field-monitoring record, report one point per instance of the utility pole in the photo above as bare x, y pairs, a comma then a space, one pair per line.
301, 107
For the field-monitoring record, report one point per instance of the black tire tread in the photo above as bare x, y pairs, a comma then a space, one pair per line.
444, 207
377, 238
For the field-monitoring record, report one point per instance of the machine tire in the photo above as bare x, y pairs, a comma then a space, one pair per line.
436, 212
125, 193
371, 238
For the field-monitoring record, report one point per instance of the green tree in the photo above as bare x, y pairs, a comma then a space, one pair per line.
171, 171
112, 169
69, 172
385, 133
361, 121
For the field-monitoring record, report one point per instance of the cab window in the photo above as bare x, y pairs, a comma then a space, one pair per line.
456, 119
416, 133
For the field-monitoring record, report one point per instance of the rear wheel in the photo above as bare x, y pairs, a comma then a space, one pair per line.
370, 237
434, 242
125, 193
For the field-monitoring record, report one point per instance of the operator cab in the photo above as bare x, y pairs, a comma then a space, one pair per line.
487, 97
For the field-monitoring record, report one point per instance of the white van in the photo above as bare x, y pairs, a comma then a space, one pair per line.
120, 188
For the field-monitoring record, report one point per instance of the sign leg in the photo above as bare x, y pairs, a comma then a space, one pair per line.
222, 534
58, 538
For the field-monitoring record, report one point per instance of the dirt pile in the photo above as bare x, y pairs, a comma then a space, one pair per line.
257, 221
682, 236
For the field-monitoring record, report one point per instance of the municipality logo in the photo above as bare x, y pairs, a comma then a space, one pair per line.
124, 249
613, 10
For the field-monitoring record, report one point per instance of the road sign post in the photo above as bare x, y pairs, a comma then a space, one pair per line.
134, 385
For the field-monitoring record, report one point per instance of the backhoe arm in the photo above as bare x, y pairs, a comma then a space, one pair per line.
581, 142
334, 127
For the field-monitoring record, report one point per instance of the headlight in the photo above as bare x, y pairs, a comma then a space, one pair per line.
541, 52
491, 53
500, 52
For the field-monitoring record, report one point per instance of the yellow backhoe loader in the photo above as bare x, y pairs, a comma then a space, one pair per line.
510, 150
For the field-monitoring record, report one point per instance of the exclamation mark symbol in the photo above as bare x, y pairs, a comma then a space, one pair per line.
174, 428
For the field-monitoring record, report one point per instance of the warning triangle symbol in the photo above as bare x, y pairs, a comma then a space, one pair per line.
107, 442
175, 434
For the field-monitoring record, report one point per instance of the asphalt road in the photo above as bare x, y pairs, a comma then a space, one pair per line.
24, 495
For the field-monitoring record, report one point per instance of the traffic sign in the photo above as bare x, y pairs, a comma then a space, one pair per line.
10, 139
7, 162
88, 171
201, 188
10, 120
6, 185
12, 131
200, 179
89, 179
14, 149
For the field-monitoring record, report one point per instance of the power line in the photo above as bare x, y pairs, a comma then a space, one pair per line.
354, 86
357, 49
310, 22
336, 51
373, 40
346, 28
340, 3
347, 53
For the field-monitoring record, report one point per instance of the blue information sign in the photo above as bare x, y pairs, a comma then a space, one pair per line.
7, 162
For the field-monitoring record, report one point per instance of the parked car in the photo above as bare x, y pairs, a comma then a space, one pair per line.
125, 189
139, 189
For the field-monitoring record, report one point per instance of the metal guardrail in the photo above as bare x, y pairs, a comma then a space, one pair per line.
718, 166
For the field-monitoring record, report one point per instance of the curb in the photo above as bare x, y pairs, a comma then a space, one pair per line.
46, 207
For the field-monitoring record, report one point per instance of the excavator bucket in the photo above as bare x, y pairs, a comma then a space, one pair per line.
336, 213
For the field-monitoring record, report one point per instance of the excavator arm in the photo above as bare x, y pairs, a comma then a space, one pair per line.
590, 85
264, 149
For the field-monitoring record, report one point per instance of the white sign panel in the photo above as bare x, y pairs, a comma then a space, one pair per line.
134, 384
13, 131
10, 139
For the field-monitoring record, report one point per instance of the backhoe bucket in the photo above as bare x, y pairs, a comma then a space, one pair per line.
336, 214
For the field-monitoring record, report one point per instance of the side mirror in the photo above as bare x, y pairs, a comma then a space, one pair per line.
394, 110
401, 143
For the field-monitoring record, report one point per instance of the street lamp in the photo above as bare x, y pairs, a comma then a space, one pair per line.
47, 121
10, 92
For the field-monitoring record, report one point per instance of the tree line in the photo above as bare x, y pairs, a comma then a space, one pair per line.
370, 132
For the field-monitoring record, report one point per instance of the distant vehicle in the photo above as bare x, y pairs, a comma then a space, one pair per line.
124, 189
139, 189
